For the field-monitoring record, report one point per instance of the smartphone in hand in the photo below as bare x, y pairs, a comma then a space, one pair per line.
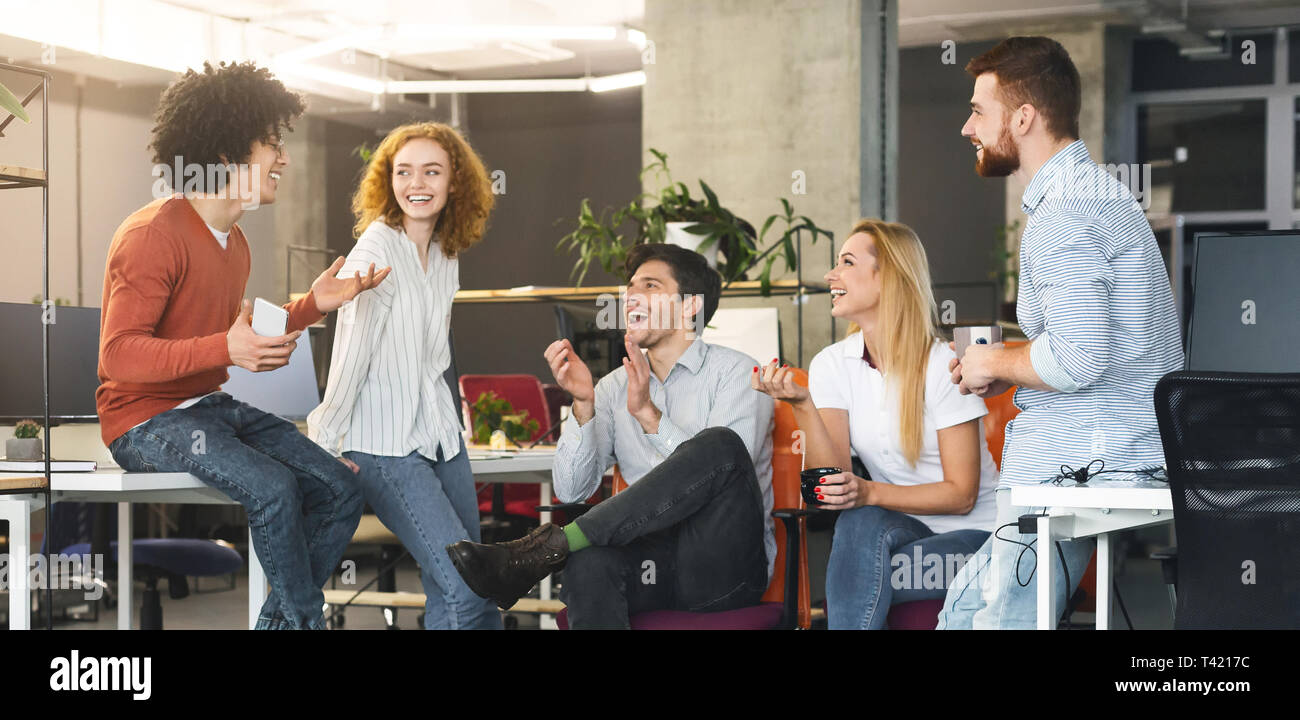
269, 319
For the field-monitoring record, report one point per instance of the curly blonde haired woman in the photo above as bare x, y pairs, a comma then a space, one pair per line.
387, 411
885, 394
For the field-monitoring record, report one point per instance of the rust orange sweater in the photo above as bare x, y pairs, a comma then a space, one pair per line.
171, 294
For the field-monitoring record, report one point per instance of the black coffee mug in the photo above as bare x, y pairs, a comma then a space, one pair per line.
810, 481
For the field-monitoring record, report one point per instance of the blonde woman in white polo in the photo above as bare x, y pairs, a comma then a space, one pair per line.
885, 394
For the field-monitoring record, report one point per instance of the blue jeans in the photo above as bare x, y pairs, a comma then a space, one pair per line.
303, 505
430, 504
880, 557
988, 593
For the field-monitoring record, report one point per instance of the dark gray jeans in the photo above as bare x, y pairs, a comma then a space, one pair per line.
686, 536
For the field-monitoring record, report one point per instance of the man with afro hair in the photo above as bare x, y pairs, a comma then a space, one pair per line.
175, 318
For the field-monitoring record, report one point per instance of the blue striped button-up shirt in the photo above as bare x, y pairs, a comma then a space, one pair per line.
708, 387
1095, 300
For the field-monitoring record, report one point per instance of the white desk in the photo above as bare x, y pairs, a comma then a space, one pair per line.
123, 488
1096, 509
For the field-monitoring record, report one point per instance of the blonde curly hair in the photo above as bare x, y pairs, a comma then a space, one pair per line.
462, 222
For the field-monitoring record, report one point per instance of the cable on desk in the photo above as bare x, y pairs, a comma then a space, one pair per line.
1082, 475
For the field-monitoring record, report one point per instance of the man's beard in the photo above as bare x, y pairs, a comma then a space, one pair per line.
1001, 160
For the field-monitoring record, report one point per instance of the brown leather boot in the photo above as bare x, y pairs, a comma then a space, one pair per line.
505, 572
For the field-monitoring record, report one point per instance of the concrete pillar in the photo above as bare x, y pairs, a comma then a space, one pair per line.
765, 99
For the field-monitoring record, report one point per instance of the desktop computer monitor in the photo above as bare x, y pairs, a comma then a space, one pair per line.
74, 358
1245, 314
601, 349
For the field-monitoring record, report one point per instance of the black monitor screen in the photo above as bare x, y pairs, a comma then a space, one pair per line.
600, 348
1245, 303
74, 354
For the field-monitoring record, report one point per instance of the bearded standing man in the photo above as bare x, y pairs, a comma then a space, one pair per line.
1094, 301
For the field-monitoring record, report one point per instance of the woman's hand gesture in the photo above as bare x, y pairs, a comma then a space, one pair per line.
777, 381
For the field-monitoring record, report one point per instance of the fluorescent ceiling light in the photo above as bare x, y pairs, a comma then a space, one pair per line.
509, 32
637, 38
332, 45
617, 82
489, 86
332, 77
538, 52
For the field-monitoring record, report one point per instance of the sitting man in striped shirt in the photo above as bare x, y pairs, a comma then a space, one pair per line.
692, 531
1094, 301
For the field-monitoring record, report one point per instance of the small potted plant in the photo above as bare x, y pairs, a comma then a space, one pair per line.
26, 442
493, 414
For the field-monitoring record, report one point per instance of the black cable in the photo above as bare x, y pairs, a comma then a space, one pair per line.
339, 608
1082, 475
1069, 596
1114, 586
543, 436
1028, 547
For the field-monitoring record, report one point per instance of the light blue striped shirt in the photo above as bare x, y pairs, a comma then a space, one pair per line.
708, 387
1095, 300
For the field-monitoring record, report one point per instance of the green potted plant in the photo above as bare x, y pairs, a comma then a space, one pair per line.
26, 442
675, 216
492, 413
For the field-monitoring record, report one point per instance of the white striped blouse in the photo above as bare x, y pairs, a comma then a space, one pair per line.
386, 393
1095, 300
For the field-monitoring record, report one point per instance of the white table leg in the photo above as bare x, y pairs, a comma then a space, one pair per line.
256, 584
545, 621
1103, 581
1046, 575
17, 510
125, 569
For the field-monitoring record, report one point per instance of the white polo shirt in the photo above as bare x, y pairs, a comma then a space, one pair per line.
840, 378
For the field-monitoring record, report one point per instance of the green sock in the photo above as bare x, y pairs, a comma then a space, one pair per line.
577, 540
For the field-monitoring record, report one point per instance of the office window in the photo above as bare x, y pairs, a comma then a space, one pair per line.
1157, 65
1293, 56
1204, 156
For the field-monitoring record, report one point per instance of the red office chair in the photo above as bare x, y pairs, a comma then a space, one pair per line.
524, 392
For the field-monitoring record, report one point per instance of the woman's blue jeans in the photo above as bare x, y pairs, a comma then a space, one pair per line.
430, 504
880, 557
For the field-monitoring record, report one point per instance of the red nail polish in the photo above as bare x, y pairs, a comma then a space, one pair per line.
822, 481
755, 368
819, 497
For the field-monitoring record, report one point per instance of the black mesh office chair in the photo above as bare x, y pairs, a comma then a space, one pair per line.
1232, 447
